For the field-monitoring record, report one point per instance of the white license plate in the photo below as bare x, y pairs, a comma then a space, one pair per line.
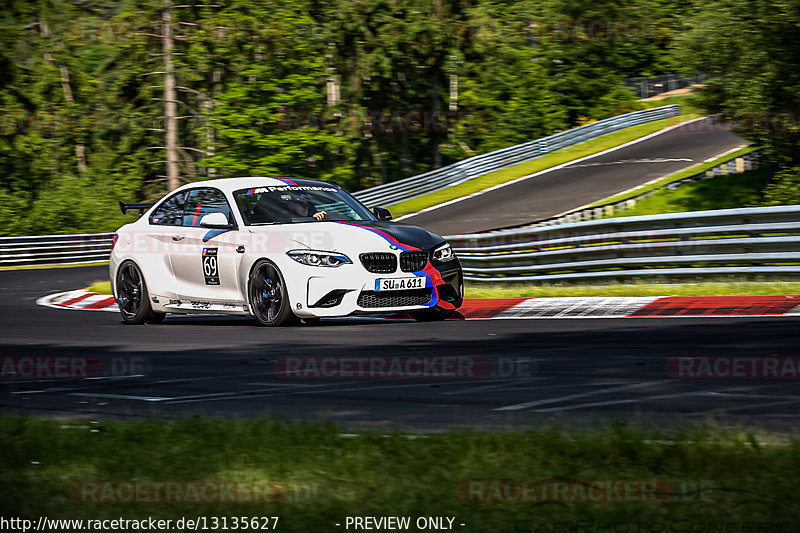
400, 284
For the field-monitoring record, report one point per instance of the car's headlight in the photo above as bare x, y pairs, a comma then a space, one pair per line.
322, 259
443, 254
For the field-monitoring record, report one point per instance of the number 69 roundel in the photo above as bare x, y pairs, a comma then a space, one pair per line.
210, 266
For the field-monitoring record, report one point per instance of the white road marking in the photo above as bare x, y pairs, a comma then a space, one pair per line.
744, 407
119, 396
635, 161
517, 407
613, 402
205, 378
79, 385
504, 382
744, 395
279, 385
48, 381
583, 406
270, 392
725, 153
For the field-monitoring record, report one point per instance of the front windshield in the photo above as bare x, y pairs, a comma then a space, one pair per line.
287, 204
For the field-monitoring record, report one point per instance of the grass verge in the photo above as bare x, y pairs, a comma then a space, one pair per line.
661, 182
702, 474
721, 192
547, 161
100, 287
696, 288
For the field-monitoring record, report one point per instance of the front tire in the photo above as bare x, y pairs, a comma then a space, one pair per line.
132, 297
267, 295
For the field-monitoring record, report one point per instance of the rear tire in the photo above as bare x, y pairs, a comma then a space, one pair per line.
267, 296
132, 297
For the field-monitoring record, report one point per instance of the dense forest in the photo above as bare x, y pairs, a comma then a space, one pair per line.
110, 100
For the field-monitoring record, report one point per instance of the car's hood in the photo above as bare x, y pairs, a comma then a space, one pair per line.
360, 236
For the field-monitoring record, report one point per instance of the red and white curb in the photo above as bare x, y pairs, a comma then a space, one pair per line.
632, 307
528, 308
80, 299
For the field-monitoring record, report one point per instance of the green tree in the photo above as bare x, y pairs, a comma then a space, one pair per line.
784, 188
267, 116
126, 99
749, 48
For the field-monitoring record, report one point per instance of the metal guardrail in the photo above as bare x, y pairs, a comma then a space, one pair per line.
743, 241
757, 240
473, 167
55, 249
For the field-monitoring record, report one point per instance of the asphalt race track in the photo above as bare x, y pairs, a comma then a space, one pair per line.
582, 182
572, 371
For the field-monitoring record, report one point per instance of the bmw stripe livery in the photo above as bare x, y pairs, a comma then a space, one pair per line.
279, 250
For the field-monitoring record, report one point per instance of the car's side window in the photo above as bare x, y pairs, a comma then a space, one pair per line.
170, 212
203, 201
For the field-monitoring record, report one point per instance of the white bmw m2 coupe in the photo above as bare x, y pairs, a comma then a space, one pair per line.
279, 250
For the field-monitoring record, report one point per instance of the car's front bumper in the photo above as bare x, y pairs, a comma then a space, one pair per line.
351, 290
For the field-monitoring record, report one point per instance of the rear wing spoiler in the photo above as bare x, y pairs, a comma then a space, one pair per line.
141, 207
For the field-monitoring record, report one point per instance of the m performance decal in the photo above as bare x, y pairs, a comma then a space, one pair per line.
210, 266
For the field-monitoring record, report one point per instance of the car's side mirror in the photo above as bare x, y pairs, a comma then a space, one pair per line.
381, 213
215, 220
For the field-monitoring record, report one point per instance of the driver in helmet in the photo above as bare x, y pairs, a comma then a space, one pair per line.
301, 207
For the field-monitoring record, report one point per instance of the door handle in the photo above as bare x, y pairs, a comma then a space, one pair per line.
177, 237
